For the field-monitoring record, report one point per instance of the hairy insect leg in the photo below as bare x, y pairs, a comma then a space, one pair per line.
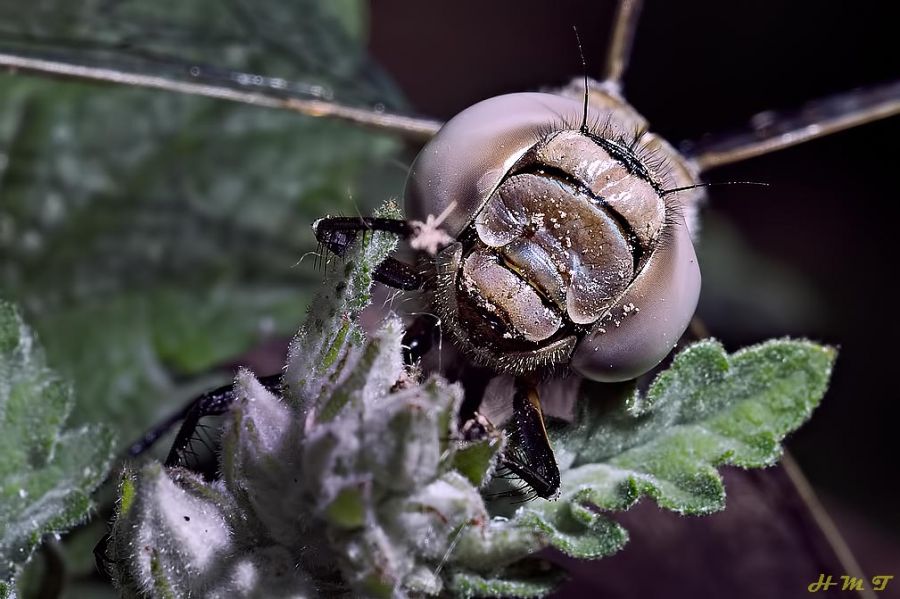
211, 403
101, 556
479, 428
338, 233
529, 454
398, 275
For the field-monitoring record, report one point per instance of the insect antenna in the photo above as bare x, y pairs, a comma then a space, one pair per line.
666, 192
584, 115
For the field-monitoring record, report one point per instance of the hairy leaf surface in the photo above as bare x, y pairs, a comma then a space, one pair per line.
47, 471
709, 409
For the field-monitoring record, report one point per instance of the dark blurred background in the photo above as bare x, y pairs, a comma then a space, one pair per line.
813, 255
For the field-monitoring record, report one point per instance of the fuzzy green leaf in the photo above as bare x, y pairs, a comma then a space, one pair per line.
707, 410
474, 460
352, 476
47, 473
320, 349
536, 581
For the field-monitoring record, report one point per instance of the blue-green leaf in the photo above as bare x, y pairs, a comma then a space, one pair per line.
707, 410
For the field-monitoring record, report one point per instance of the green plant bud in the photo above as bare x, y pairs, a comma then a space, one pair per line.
260, 458
170, 540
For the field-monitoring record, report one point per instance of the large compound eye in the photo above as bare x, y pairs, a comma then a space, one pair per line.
568, 251
472, 153
648, 319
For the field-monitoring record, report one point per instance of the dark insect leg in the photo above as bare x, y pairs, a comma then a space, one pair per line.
101, 556
398, 275
529, 454
211, 403
159, 429
418, 339
338, 233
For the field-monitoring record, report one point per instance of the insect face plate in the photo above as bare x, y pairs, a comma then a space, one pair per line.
562, 235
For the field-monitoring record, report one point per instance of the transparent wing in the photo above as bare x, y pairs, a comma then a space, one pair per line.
772, 131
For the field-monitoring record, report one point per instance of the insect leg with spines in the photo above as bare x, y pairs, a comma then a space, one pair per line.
337, 234
530, 456
212, 403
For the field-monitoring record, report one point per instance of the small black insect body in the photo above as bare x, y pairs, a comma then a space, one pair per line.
561, 247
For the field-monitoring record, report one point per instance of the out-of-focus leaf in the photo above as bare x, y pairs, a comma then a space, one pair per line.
312, 46
47, 473
708, 409
149, 236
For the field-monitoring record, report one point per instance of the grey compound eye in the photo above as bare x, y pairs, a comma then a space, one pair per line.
567, 251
